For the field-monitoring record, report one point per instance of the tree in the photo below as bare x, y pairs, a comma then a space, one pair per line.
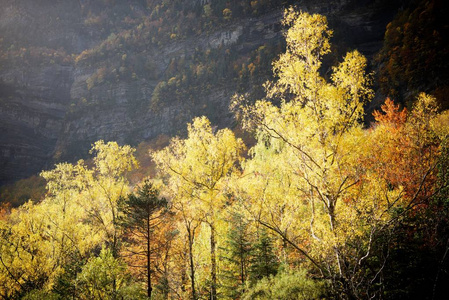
237, 250
286, 285
198, 168
263, 262
227, 14
27, 256
105, 277
144, 212
415, 53
406, 149
104, 185
409, 154
78, 214
333, 191
50, 233
304, 181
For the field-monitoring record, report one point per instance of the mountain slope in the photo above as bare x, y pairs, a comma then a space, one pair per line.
73, 72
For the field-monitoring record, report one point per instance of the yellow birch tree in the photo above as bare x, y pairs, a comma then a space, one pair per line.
303, 181
198, 168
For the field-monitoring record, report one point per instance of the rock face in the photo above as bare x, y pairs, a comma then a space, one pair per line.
33, 105
49, 113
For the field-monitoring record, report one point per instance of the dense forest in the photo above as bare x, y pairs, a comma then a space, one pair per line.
302, 198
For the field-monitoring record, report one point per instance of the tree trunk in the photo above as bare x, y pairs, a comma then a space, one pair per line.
213, 261
166, 270
192, 266
150, 288
115, 255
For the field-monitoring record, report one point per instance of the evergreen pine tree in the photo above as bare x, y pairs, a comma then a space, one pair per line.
237, 253
264, 262
144, 211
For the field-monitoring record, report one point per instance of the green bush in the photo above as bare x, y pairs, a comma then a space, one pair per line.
286, 286
105, 277
40, 295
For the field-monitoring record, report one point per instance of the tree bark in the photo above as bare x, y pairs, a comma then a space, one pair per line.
213, 261
150, 288
192, 266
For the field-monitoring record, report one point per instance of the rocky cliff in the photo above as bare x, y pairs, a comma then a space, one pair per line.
73, 72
